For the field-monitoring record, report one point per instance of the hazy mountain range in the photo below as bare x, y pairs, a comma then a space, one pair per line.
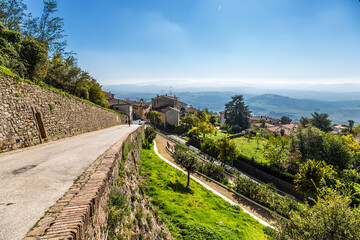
341, 106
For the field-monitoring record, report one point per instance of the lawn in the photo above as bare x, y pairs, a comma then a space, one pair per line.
248, 148
194, 213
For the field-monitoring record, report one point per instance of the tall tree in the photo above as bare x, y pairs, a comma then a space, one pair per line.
351, 125
12, 13
48, 28
237, 113
187, 160
321, 121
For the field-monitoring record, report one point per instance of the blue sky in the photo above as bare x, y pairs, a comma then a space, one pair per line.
214, 42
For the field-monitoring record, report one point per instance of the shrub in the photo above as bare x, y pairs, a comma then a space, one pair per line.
214, 171
266, 196
149, 136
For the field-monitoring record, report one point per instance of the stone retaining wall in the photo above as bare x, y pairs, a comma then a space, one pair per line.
30, 115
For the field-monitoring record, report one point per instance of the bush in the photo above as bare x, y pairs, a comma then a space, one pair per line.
266, 196
235, 129
208, 146
214, 171
149, 136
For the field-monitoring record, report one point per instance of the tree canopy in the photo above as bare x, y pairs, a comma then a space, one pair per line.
237, 113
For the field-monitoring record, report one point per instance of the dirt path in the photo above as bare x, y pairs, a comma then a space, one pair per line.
161, 143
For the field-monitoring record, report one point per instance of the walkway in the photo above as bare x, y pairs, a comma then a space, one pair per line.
32, 180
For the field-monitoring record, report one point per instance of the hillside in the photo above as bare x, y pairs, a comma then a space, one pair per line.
277, 106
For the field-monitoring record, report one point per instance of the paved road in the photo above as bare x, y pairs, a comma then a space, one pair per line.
33, 180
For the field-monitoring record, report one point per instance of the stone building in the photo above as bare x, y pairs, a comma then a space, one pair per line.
170, 109
123, 106
140, 108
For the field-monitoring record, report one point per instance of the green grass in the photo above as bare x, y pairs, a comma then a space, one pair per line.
193, 213
247, 148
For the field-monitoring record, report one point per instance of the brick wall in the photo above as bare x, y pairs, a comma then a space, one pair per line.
30, 115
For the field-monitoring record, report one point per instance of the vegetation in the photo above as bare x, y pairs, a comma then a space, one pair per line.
237, 113
187, 160
154, 117
149, 137
38, 52
266, 196
227, 150
331, 217
194, 213
285, 120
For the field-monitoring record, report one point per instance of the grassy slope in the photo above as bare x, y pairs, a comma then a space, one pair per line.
193, 213
247, 148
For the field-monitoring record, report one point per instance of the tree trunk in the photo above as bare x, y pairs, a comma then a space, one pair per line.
188, 182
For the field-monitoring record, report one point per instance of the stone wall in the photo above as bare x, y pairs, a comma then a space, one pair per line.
30, 115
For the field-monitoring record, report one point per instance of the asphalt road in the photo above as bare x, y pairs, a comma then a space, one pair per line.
32, 180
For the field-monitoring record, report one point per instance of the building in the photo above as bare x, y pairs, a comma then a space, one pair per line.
170, 109
164, 101
123, 106
141, 108
272, 121
222, 117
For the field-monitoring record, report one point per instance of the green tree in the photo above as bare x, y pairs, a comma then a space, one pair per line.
309, 141
48, 28
227, 150
285, 120
12, 13
237, 113
321, 121
331, 218
276, 151
205, 128
212, 119
187, 160
313, 175
10, 42
35, 58
154, 117
149, 137
97, 96
351, 126
189, 121
337, 151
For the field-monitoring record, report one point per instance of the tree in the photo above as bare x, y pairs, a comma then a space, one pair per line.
313, 175
331, 217
187, 160
351, 125
190, 120
212, 119
237, 113
149, 137
12, 13
285, 120
227, 150
309, 141
276, 151
321, 121
304, 121
205, 128
154, 117
315, 144
48, 29
35, 58
97, 96
356, 130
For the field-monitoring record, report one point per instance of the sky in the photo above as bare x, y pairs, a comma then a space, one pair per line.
214, 42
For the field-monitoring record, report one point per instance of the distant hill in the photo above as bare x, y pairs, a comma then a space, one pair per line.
293, 104
276, 106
